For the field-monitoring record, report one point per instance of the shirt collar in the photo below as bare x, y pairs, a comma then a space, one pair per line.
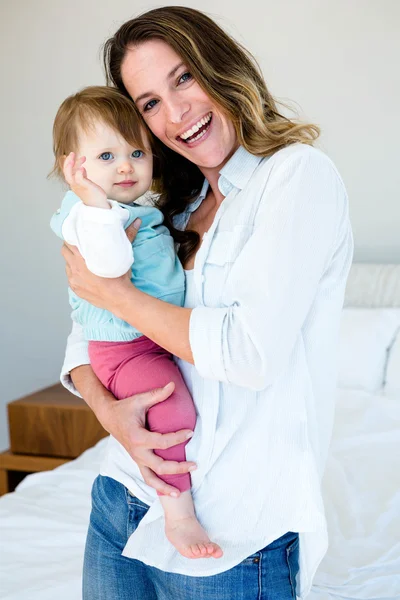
238, 170
235, 173
203, 192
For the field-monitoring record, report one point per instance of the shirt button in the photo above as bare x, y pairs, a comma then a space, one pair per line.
58, 211
256, 560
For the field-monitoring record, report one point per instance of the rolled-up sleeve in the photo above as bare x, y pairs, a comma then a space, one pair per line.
76, 355
274, 279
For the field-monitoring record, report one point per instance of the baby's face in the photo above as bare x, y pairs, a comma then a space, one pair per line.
124, 172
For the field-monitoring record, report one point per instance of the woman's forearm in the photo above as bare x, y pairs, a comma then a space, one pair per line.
164, 323
96, 396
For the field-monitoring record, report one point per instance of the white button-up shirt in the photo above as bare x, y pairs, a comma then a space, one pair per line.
269, 282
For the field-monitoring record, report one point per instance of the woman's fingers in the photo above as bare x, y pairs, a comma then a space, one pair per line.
67, 251
169, 467
71, 250
158, 484
133, 229
148, 399
150, 440
162, 441
73, 261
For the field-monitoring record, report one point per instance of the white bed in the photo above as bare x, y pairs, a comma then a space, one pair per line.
43, 523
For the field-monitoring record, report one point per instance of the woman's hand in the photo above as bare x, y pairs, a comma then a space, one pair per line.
125, 420
99, 291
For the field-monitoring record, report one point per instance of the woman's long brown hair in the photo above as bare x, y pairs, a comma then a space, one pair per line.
229, 75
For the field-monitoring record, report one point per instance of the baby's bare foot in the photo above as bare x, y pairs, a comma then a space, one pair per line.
190, 539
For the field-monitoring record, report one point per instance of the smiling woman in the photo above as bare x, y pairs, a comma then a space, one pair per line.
175, 105
262, 226
179, 63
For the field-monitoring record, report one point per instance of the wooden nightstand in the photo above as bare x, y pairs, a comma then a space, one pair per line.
47, 429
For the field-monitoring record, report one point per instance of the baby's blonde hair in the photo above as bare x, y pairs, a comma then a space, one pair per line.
80, 111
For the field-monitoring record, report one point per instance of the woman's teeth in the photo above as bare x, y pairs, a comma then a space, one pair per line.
199, 136
201, 126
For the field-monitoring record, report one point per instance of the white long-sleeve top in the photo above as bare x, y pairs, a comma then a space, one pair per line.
269, 280
100, 236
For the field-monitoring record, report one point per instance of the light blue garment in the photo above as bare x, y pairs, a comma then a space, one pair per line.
156, 271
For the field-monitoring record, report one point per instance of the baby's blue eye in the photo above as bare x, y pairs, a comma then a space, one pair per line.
106, 156
137, 154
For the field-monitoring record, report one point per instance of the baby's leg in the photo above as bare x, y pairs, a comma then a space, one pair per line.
139, 366
154, 368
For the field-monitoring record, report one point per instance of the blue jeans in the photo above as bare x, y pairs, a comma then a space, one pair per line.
266, 575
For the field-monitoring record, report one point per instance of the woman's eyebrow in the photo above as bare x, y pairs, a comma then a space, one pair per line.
169, 76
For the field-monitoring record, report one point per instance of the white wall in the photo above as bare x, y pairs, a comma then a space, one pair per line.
337, 60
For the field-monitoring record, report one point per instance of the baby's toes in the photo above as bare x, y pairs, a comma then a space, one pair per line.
210, 548
216, 551
195, 550
203, 549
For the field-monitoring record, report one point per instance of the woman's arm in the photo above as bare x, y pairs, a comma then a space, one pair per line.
124, 419
164, 323
96, 396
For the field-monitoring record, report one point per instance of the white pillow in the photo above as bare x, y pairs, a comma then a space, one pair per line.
392, 385
366, 334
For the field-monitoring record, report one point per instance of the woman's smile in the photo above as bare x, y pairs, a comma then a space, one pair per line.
196, 131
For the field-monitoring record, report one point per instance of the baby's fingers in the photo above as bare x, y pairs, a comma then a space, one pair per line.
68, 167
80, 161
81, 177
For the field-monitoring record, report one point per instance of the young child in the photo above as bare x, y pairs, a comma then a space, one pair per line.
102, 127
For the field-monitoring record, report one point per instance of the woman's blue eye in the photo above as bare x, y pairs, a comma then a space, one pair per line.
149, 105
187, 76
182, 79
137, 154
106, 156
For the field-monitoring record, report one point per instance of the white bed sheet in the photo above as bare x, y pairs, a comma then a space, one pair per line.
361, 491
43, 527
43, 523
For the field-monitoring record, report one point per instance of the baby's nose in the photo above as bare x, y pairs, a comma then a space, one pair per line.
125, 167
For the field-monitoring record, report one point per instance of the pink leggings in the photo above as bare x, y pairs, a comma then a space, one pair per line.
128, 368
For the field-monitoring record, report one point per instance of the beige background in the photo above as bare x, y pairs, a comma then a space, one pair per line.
338, 61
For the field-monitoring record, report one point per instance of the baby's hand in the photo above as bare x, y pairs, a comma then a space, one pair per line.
75, 175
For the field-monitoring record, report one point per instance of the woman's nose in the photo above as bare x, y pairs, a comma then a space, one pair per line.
176, 110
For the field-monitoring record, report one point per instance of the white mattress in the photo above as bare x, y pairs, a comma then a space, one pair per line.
43, 523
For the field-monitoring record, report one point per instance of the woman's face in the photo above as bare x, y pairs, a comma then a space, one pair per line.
175, 107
